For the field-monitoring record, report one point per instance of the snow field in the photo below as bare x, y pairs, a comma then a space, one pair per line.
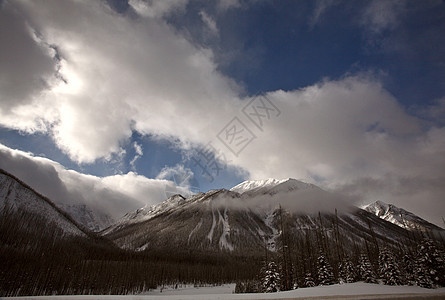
349, 291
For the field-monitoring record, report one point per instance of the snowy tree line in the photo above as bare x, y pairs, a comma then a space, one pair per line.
38, 259
314, 259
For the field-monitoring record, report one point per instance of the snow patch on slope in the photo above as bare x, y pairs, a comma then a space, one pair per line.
210, 235
268, 221
223, 242
195, 230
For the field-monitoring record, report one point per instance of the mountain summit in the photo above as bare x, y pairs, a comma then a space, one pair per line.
270, 186
399, 216
246, 217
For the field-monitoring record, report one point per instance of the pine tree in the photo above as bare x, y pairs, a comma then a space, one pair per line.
365, 271
346, 271
408, 269
325, 274
388, 268
308, 280
422, 277
429, 270
271, 281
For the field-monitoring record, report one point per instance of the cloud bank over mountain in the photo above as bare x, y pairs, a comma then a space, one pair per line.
90, 77
112, 195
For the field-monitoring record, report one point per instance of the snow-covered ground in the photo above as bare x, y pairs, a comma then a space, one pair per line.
348, 291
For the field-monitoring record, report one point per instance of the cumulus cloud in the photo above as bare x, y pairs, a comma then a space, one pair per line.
27, 68
336, 132
126, 74
111, 75
113, 195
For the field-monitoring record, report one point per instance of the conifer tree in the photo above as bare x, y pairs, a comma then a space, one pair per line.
422, 277
271, 281
325, 274
429, 270
408, 269
308, 280
364, 270
388, 268
346, 271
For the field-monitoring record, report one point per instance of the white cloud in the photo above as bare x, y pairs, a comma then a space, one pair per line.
321, 7
126, 73
138, 149
210, 23
435, 112
27, 68
382, 15
114, 195
139, 153
157, 9
183, 178
337, 132
224, 5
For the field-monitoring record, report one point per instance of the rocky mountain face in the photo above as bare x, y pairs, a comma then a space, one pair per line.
91, 218
218, 236
400, 217
18, 199
246, 218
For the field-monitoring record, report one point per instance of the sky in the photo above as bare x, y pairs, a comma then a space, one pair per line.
142, 99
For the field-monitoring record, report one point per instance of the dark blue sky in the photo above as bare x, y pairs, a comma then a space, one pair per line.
273, 45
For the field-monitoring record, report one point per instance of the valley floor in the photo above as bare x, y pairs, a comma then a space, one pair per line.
357, 290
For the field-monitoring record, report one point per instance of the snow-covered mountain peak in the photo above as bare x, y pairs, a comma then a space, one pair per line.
270, 185
147, 212
399, 216
250, 185
378, 208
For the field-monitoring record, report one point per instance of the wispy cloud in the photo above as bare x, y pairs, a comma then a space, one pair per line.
379, 15
157, 9
184, 179
139, 153
210, 23
321, 7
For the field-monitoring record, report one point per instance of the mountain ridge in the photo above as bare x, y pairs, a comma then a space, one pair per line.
400, 216
225, 220
15, 198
